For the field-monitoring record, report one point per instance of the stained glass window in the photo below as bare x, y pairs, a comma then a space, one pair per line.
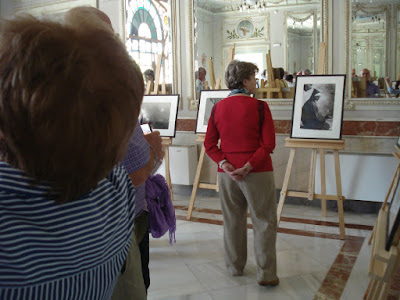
148, 34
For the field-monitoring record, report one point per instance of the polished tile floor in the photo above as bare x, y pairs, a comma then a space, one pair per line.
313, 263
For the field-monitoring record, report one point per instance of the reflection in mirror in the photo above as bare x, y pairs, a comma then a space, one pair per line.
254, 27
370, 40
148, 33
397, 74
303, 38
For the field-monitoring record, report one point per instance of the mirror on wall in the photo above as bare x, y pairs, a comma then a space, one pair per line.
148, 34
370, 42
253, 27
303, 35
368, 37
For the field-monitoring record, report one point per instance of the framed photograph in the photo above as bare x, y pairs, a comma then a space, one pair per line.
160, 112
318, 107
393, 215
207, 100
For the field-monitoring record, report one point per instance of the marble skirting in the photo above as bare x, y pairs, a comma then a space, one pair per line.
358, 128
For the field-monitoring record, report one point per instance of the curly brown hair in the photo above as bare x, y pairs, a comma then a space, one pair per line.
69, 101
237, 71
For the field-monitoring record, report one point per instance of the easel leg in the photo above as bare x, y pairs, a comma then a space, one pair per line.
311, 182
196, 183
285, 184
167, 170
323, 181
339, 195
395, 177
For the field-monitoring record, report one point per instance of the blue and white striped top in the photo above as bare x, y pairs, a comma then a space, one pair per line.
69, 251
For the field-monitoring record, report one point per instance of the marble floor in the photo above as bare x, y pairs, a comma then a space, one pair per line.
313, 263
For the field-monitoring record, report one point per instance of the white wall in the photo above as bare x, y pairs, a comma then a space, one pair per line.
364, 177
6, 8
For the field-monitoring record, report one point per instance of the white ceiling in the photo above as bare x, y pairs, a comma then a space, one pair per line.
229, 5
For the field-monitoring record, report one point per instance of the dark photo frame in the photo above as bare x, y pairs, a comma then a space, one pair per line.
160, 112
318, 107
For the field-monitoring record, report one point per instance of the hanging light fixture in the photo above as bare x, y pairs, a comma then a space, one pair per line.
247, 5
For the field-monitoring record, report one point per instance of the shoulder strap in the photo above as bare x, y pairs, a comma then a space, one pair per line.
213, 112
261, 109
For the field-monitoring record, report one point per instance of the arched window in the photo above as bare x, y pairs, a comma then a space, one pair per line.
148, 34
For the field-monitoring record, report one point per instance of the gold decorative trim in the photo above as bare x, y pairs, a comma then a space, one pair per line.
396, 12
123, 20
324, 31
372, 101
279, 102
192, 102
347, 47
174, 33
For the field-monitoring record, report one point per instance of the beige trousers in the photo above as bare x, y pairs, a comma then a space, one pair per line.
256, 192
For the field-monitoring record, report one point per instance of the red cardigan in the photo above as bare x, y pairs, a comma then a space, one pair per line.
237, 123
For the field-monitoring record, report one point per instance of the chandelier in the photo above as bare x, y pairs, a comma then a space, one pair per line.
249, 4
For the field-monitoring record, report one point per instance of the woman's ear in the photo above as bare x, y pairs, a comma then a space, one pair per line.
245, 83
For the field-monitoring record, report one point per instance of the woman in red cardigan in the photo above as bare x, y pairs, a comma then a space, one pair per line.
246, 180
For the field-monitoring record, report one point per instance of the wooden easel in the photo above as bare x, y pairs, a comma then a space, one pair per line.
197, 184
166, 141
200, 138
395, 177
274, 84
215, 84
383, 264
321, 146
155, 86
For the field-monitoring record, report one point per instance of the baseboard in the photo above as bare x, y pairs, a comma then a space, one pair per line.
356, 206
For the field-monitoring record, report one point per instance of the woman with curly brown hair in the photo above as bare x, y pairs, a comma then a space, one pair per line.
246, 132
69, 102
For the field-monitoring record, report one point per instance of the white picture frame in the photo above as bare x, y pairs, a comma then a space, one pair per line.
207, 100
160, 112
318, 107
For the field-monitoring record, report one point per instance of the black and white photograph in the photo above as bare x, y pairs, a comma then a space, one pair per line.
318, 107
160, 112
393, 214
207, 100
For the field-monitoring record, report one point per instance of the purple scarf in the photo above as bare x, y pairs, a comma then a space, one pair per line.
159, 204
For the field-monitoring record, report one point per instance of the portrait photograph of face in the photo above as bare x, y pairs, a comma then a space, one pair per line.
318, 105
